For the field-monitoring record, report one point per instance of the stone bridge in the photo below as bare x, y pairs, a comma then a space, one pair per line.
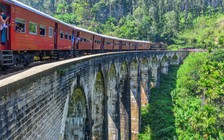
96, 97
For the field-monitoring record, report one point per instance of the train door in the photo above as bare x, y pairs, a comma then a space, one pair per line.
5, 32
77, 40
102, 43
113, 43
93, 42
120, 45
136, 46
73, 39
55, 36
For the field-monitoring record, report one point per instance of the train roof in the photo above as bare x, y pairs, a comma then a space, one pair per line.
20, 4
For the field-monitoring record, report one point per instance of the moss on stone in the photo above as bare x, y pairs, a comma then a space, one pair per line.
154, 59
164, 58
77, 97
175, 57
112, 72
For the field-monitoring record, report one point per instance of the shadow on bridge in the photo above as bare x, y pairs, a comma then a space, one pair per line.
158, 120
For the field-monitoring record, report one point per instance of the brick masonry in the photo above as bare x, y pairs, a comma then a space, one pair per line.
92, 97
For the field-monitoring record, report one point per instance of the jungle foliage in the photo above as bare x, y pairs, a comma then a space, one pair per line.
206, 33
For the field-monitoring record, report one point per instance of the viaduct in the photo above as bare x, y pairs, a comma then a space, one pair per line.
95, 97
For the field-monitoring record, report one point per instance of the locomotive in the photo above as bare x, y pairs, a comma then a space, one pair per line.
34, 33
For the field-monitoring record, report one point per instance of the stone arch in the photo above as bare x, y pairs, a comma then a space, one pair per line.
154, 60
164, 58
164, 65
144, 84
124, 103
98, 109
155, 70
76, 121
175, 59
135, 99
113, 104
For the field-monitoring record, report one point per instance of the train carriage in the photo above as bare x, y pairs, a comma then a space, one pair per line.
97, 42
157, 46
86, 40
148, 45
109, 44
125, 45
64, 37
141, 46
117, 44
30, 31
133, 45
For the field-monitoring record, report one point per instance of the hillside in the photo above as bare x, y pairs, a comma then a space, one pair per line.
159, 20
206, 32
46, 6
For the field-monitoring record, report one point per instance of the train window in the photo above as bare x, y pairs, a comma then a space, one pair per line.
70, 37
20, 25
50, 32
97, 41
42, 30
32, 28
61, 34
66, 35
83, 40
108, 43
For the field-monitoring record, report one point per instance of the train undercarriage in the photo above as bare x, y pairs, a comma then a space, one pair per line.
10, 58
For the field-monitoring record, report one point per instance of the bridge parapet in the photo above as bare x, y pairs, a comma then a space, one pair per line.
92, 97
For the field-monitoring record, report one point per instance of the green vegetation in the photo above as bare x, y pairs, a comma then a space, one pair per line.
190, 102
206, 32
158, 121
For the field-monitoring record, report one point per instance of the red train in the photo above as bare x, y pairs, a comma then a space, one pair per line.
34, 33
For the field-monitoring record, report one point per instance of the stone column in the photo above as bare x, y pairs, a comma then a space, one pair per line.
134, 100
124, 103
165, 65
112, 105
98, 108
155, 72
144, 82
